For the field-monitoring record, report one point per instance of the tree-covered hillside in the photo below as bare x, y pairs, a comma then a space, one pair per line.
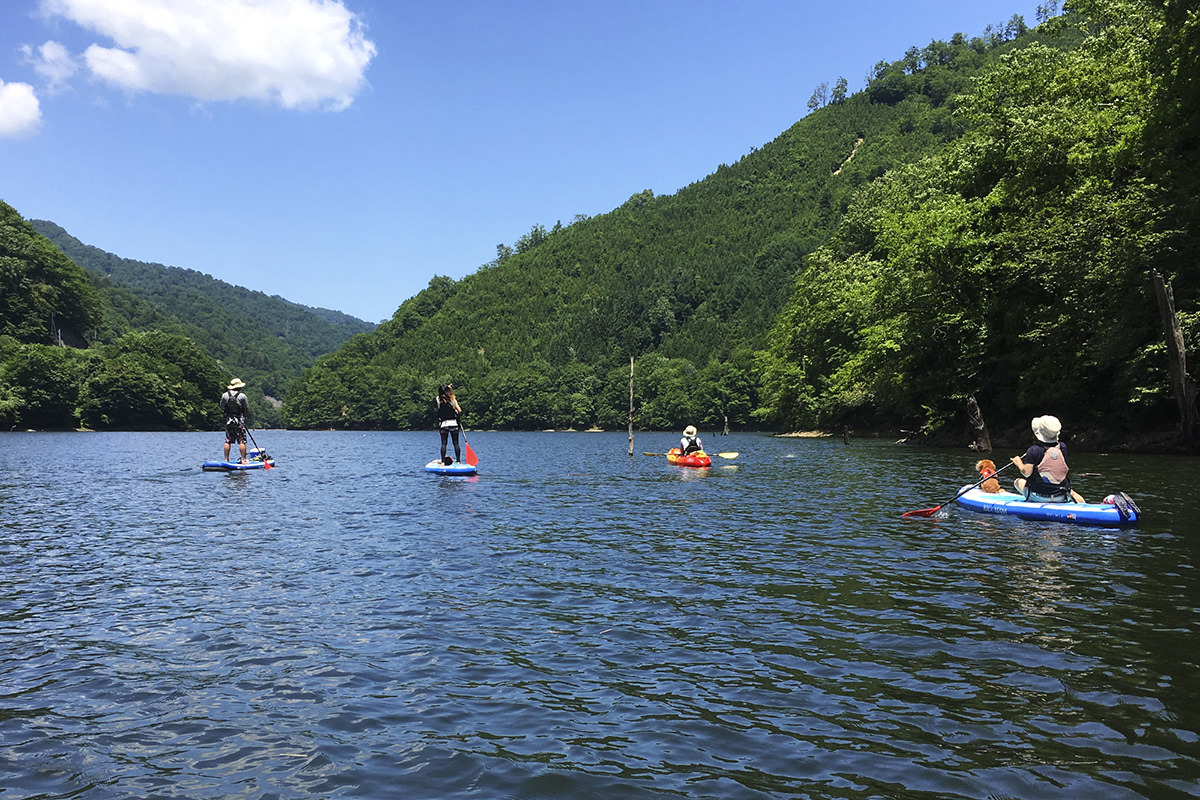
687, 285
51, 378
128, 345
267, 341
1025, 266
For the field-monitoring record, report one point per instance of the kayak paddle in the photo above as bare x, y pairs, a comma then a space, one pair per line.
929, 512
730, 456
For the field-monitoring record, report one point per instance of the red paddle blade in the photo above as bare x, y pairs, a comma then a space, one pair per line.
472, 459
268, 465
922, 512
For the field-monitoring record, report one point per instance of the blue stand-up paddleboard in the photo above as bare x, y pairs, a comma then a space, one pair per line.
1116, 511
453, 468
255, 459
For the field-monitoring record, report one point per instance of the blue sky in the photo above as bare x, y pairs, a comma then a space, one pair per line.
340, 153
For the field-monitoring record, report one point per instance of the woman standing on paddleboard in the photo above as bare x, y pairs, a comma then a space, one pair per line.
448, 411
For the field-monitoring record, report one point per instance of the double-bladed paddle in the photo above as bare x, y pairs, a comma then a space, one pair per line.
929, 512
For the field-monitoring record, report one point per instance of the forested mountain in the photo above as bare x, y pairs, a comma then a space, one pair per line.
995, 227
687, 285
50, 378
265, 340
1046, 261
160, 342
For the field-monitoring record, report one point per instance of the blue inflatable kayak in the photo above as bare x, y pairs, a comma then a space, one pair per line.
1116, 511
255, 459
453, 468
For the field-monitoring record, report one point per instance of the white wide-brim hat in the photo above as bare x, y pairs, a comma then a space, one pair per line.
236, 383
1046, 429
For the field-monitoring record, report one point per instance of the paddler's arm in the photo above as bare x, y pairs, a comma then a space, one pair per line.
1025, 469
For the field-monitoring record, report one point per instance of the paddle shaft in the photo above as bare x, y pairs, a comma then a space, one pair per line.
251, 435
262, 455
929, 512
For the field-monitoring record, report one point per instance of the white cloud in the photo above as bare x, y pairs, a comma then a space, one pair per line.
295, 53
53, 62
20, 112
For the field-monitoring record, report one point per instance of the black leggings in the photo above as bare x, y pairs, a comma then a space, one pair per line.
452, 432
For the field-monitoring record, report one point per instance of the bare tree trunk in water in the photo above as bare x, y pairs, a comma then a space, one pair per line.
982, 441
631, 405
1183, 383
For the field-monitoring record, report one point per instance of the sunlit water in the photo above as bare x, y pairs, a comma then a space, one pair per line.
579, 623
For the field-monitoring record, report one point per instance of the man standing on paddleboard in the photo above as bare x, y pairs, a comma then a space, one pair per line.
237, 410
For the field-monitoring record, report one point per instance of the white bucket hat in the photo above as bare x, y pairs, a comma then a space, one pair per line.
690, 430
1046, 429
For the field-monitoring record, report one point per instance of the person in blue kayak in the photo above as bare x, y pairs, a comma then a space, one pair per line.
448, 412
690, 443
237, 410
1043, 467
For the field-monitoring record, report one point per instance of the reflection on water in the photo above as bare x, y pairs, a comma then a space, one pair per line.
576, 622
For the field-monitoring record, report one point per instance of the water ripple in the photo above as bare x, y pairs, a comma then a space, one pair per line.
579, 623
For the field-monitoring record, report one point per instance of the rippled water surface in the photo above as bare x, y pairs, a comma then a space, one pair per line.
579, 623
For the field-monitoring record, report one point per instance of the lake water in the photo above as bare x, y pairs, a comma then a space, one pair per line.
579, 623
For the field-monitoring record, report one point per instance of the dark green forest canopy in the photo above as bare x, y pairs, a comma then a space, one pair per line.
686, 285
265, 340
1015, 264
127, 345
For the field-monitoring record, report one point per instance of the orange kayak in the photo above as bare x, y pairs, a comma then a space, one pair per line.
697, 459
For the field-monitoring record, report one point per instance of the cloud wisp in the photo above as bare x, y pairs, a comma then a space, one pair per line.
295, 54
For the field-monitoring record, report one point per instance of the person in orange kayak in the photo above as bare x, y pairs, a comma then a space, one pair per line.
1044, 466
690, 443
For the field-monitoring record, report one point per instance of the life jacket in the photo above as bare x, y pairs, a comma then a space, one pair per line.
1051, 473
690, 444
231, 403
446, 413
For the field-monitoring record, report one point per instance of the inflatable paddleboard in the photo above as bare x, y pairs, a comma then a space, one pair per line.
233, 466
255, 459
453, 468
1116, 511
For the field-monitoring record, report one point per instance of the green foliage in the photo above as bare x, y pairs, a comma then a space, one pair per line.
1012, 264
44, 295
127, 380
265, 341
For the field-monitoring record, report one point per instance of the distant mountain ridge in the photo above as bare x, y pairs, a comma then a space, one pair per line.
265, 340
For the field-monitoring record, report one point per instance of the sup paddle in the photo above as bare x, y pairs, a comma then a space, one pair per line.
929, 512
472, 459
